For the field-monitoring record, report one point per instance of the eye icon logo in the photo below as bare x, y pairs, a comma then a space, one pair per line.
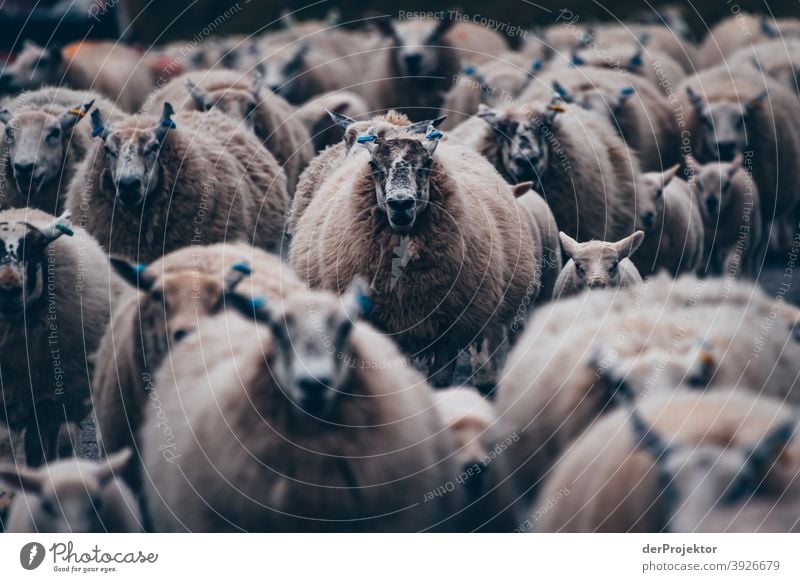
31, 555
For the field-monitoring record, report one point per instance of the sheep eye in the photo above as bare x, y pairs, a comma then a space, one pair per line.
109, 152
579, 268
614, 268
54, 134
157, 295
9, 134
151, 149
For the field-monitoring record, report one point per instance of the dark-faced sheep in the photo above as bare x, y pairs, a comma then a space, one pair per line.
243, 99
56, 293
576, 160
670, 217
316, 116
438, 234
728, 200
673, 464
72, 496
110, 68
151, 186
306, 421
44, 142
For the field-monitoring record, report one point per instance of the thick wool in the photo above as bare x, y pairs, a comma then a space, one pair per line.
739, 31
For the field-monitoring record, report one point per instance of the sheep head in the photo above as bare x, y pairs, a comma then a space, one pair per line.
383, 127
311, 358
238, 104
173, 301
400, 169
604, 103
723, 124
66, 496
37, 144
33, 68
597, 262
650, 197
281, 67
23, 254
132, 153
711, 184
417, 45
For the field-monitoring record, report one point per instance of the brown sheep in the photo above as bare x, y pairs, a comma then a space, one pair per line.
435, 230
148, 189
305, 421
243, 99
110, 68
671, 464
670, 217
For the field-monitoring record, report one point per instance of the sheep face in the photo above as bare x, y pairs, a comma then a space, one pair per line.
34, 67
650, 198
37, 144
282, 67
417, 47
23, 253
523, 149
711, 185
238, 104
597, 262
605, 104
722, 124
401, 174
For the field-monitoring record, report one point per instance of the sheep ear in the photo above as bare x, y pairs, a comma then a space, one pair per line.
637, 60
757, 102
563, 92
55, 54
556, 106
20, 478
442, 27
237, 272
114, 464
333, 17
522, 188
576, 59
288, 19
29, 44
99, 127
259, 77
569, 244
767, 29
42, 237
296, 61
357, 302
71, 117
628, 245
257, 308
646, 438
385, 26
487, 113
699, 375
340, 119
422, 126
695, 99
736, 165
134, 275
166, 123
668, 174
6, 116
199, 95
432, 139
370, 140
625, 93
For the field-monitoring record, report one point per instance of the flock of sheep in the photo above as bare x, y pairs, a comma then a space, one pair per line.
256, 261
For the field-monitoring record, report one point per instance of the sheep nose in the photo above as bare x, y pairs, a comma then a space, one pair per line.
130, 183
596, 284
179, 334
712, 204
312, 386
726, 149
648, 218
522, 160
24, 169
413, 63
400, 204
10, 292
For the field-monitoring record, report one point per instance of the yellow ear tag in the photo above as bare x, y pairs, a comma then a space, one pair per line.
77, 112
558, 108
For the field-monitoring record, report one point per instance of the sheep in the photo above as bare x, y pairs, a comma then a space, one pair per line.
243, 99
639, 111
63, 290
445, 247
315, 116
564, 371
672, 222
726, 114
545, 235
728, 200
597, 264
306, 421
165, 301
678, 464
43, 143
72, 496
147, 189
657, 37
776, 58
577, 161
414, 71
740, 31
391, 124
110, 68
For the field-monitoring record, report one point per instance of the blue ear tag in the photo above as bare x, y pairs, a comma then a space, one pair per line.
365, 303
257, 302
536, 65
435, 134
243, 268
65, 229
139, 268
168, 123
469, 70
625, 91
366, 138
636, 61
97, 131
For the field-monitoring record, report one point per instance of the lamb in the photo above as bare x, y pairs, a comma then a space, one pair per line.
414, 72
597, 264
728, 200
740, 31
72, 496
110, 68
776, 58
62, 288
727, 114
43, 143
670, 217
675, 464
165, 301
243, 99
151, 186
577, 161
307, 421
642, 115
655, 337
445, 237
315, 116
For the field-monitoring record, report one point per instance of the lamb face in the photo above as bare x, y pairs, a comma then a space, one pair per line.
416, 48
23, 254
711, 185
37, 143
723, 124
597, 262
650, 198
34, 67
401, 174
